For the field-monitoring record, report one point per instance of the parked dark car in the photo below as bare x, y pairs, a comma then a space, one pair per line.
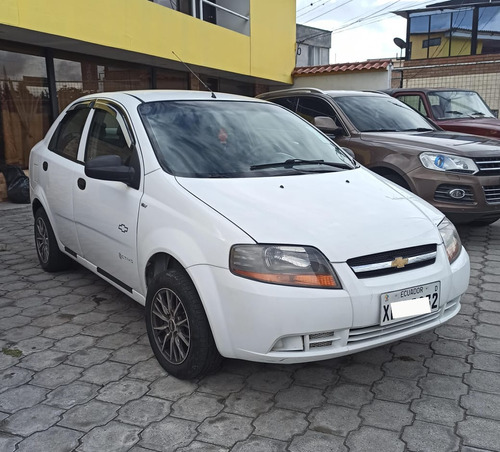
457, 173
456, 110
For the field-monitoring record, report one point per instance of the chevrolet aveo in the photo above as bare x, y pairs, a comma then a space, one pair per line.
243, 230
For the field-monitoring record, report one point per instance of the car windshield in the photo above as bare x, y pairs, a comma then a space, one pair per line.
236, 139
458, 104
381, 114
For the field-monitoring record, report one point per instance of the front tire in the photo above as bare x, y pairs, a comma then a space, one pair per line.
51, 258
178, 328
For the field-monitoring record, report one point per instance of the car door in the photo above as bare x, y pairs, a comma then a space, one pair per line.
106, 212
58, 171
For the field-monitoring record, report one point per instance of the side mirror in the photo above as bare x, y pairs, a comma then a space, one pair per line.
327, 125
109, 167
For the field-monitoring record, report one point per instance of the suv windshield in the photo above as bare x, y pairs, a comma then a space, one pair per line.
458, 104
236, 139
381, 114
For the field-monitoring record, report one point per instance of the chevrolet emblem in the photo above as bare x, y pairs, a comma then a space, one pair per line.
399, 262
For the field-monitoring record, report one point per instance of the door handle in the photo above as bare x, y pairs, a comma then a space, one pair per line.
81, 183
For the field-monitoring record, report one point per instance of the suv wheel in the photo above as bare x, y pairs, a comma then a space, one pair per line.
51, 258
178, 328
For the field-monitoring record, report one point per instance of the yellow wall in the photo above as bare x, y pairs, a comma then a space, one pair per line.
459, 46
145, 27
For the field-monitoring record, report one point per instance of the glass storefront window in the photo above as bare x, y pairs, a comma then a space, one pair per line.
75, 78
169, 79
24, 105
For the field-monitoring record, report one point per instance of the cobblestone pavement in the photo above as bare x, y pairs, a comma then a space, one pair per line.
77, 373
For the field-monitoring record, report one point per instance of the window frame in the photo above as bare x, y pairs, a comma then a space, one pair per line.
54, 140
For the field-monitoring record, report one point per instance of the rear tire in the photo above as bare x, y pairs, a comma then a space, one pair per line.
51, 258
178, 328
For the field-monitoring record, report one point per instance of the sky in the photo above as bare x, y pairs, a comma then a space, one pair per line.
362, 29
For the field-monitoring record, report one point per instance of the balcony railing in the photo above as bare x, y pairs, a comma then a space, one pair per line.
231, 14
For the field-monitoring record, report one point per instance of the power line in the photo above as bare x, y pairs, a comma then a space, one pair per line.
305, 13
371, 15
329, 11
311, 4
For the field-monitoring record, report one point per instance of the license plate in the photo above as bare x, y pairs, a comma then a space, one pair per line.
409, 302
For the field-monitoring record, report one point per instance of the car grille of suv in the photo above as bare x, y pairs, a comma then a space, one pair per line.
395, 261
488, 166
444, 193
492, 194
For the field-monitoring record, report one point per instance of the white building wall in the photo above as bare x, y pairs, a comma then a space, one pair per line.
369, 80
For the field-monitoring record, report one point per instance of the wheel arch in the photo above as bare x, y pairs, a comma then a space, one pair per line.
35, 205
161, 262
393, 175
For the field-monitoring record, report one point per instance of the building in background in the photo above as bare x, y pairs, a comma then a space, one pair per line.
54, 51
453, 44
313, 46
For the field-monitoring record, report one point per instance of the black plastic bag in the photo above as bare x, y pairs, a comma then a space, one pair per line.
18, 184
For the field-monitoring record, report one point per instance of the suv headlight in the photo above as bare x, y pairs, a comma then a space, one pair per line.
451, 239
301, 266
446, 162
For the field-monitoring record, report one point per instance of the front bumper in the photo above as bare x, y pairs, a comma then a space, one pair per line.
271, 323
478, 204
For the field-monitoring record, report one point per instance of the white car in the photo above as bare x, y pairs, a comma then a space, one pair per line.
244, 231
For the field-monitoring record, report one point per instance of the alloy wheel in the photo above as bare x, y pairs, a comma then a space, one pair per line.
171, 326
42, 240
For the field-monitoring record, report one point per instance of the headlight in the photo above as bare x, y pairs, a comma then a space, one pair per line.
451, 239
447, 162
279, 264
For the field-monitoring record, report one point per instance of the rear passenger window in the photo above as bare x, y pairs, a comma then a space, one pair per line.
66, 139
106, 137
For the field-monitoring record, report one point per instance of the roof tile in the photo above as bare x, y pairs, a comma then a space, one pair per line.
342, 67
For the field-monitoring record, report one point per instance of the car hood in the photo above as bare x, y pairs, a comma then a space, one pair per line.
344, 214
441, 141
478, 125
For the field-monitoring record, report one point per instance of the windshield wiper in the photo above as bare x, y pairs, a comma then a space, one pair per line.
418, 129
290, 163
477, 113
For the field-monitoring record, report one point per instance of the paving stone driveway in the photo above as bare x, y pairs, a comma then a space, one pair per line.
77, 373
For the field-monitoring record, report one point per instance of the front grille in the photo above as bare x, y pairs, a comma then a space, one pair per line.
380, 264
358, 335
444, 194
492, 194
488, 166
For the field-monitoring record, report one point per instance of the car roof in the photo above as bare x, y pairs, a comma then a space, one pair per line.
347, 93
155, 95
316, 91
425, 90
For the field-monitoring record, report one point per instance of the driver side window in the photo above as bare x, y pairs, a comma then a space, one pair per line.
106, 137
310, 107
